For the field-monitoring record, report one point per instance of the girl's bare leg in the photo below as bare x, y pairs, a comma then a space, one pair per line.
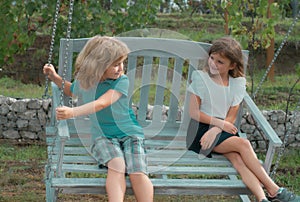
248, 177
115, 181
243, 147
142, 187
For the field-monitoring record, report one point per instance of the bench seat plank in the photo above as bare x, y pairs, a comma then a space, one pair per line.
156, 169
162, 186
151, 161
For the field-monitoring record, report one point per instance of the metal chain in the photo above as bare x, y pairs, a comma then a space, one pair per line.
286, 137
282, 149
65, 67
51, 153
46, 95
276, 55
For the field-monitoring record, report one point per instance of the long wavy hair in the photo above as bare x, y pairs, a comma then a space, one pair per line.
99, 53
231, 49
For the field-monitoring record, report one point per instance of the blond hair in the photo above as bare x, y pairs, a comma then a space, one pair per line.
99, 53
231, 49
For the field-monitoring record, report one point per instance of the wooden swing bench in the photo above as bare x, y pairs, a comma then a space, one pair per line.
159, 65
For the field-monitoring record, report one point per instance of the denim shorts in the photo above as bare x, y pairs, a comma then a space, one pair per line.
130, 148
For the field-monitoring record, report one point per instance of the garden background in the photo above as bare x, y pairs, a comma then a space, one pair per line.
26, 35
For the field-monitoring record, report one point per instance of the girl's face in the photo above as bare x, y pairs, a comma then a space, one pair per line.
114, 71
219, 64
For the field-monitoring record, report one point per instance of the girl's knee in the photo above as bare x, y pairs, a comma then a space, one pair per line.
245, 144
245, 148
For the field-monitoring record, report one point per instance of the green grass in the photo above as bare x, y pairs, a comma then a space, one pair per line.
289, 168
16, 89
287, 173
8, 153
273, 95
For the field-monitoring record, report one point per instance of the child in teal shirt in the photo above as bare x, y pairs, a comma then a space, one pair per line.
117, 136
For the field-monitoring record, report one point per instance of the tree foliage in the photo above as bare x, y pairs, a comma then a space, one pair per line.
27, 18
17, 30
248, 19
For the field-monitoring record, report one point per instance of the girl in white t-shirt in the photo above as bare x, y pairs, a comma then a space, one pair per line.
216, 94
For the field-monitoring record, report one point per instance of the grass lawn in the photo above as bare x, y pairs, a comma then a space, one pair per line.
22, 176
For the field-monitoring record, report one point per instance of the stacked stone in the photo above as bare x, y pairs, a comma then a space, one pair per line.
286, 127
23, 118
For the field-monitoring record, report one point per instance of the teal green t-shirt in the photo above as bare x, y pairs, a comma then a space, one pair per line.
117, 120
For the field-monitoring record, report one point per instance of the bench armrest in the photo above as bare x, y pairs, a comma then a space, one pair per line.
274, 140
55, 102
263, 123
62, 126
62, 136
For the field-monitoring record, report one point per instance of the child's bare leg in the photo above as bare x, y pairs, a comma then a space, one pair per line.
244, 148
248, 177
115, 181
142, 187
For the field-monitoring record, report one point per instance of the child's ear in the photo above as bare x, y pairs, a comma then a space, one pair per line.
233, 66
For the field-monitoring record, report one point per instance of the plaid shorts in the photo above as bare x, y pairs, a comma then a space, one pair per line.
131, 149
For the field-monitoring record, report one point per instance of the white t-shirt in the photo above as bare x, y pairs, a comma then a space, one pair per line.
217, 99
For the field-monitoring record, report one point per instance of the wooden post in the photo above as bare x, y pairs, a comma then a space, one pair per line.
226, 21
270, 49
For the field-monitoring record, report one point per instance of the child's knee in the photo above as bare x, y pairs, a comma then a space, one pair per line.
117, 165
137, 176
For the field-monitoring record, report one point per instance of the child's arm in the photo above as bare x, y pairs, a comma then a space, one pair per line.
208, 139
198, 115
53, 76
232, 114
102, 102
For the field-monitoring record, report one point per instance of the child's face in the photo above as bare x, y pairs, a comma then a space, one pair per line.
219, 64
114, 71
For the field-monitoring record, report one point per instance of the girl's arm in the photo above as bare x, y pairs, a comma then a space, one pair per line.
102, 102
196, 114
53, 76
227, 125
232, 114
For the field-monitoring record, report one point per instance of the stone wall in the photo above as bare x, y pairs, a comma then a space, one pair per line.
26, 119
23, 118
276, 118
